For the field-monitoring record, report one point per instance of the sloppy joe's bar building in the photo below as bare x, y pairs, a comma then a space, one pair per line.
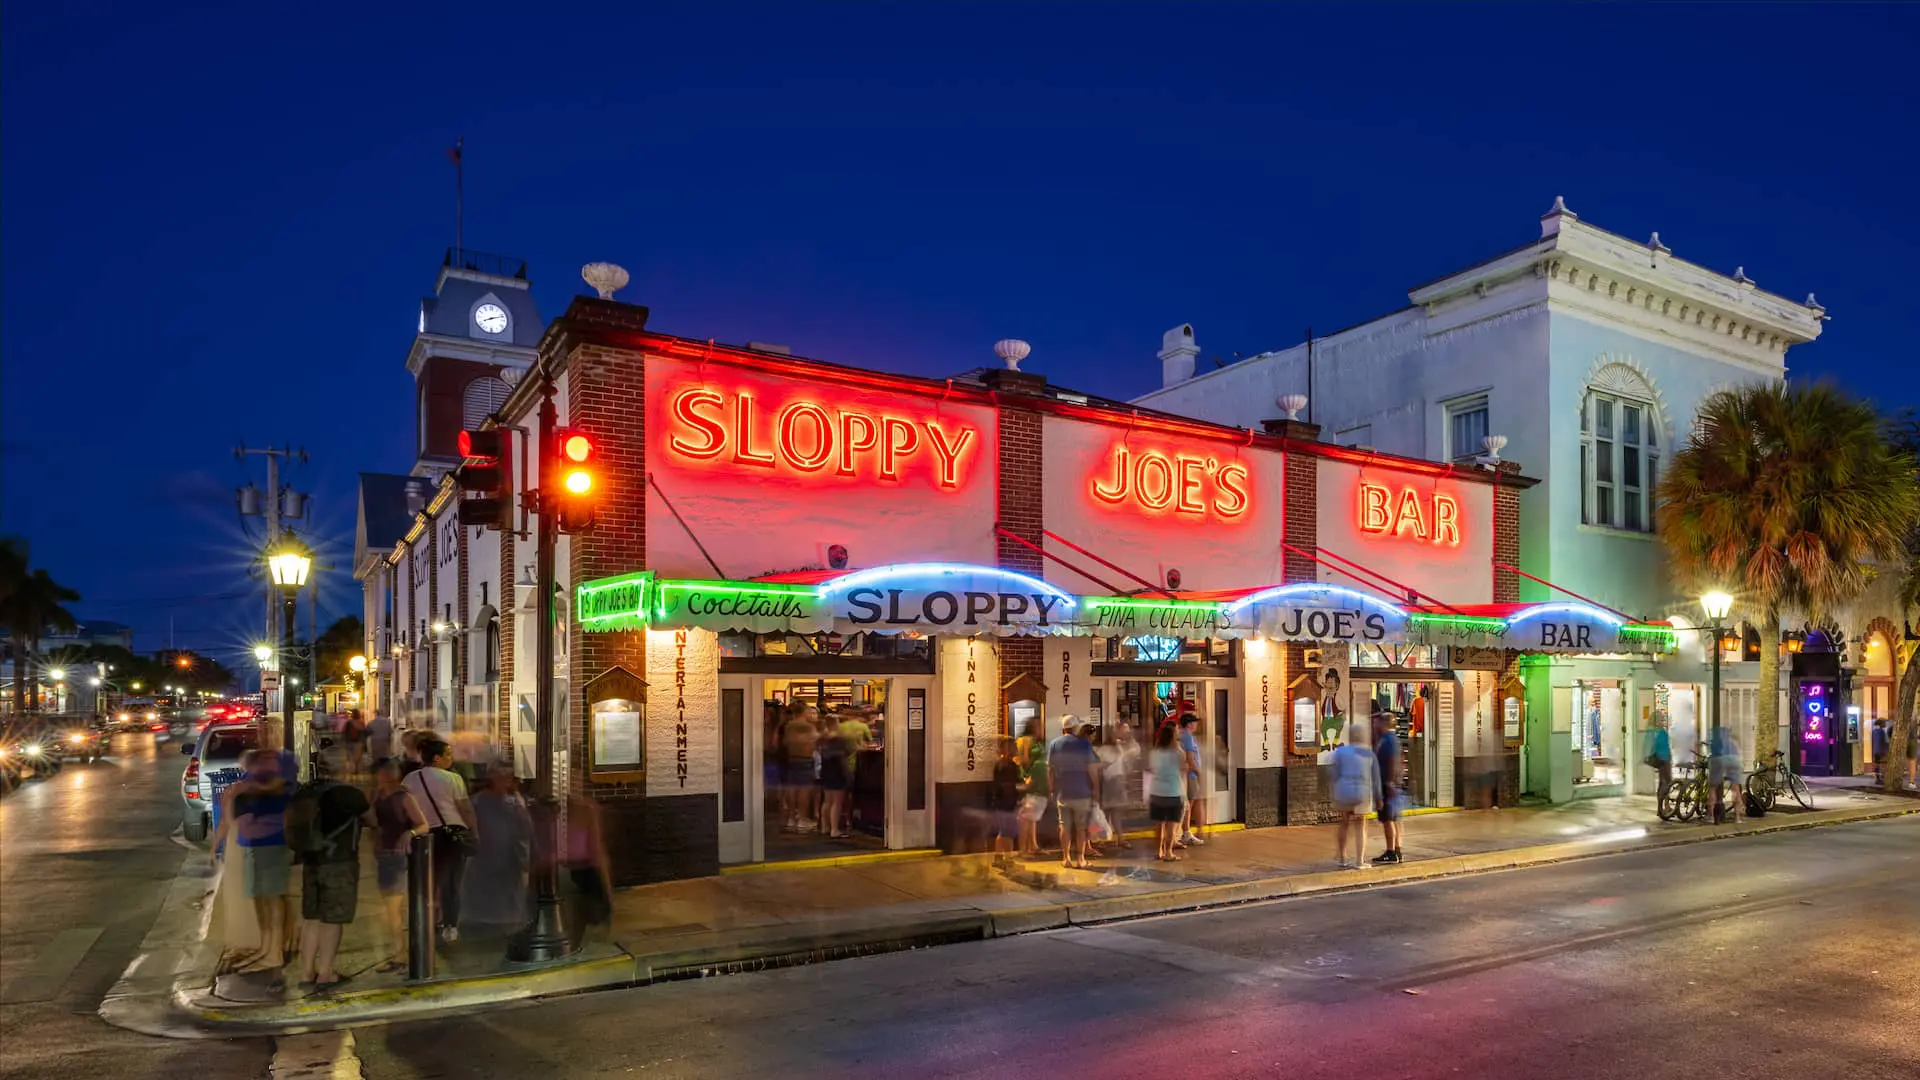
947, 561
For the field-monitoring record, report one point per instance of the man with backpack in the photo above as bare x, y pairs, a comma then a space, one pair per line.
323, 824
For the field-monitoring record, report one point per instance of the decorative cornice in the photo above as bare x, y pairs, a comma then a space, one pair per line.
503, 353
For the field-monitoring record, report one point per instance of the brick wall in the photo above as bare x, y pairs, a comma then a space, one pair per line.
1021, 510
1506, 537
605, 399
1303, 797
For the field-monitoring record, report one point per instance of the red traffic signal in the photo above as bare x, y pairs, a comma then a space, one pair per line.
484, 479
578, 466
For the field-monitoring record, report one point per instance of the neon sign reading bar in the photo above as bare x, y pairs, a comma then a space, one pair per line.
1406, 514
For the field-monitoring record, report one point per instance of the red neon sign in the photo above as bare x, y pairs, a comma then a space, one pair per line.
805, 437
1161, 483
1406, 514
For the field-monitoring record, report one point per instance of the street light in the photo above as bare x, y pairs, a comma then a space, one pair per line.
57, 674
288, 562
1716, 605
263, 653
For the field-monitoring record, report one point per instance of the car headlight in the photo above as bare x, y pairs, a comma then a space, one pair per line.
124, 718
32, 749
76, 738
153, 716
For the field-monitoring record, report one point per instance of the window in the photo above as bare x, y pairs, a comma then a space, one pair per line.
482, 398
1467, 427
1619, 454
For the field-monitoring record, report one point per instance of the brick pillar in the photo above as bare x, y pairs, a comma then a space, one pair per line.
1301, 795
1506, 534
649, 838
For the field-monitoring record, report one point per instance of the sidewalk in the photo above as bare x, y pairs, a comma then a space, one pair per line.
774, 917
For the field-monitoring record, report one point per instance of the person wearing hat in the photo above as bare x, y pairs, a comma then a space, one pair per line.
1196, 811
1073, 774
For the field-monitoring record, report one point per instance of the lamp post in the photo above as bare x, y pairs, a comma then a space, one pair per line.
288, 562
1716, 605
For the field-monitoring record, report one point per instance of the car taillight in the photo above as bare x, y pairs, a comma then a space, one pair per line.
192, 779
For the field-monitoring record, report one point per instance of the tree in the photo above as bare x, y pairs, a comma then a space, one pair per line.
343, 640
1787, 497
31, 604
1905, 435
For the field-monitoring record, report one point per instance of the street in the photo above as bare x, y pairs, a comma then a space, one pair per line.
1787, 955
1757, 957
85, 860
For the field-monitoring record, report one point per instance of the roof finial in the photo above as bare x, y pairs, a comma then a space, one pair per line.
1658, 248
605, 277
1740, 276
1819, 309
1012, 351
1560, 208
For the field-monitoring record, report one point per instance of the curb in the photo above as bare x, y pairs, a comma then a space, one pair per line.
188, 1011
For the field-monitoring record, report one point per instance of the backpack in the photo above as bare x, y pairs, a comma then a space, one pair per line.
303, 833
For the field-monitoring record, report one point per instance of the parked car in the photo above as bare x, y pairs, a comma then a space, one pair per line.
214, 762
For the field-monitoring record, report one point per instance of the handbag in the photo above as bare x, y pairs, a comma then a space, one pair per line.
455, 832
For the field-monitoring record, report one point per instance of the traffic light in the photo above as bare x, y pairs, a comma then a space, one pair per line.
483, 477
578, 490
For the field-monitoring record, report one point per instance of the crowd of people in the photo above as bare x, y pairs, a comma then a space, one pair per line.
813, 762
395, 788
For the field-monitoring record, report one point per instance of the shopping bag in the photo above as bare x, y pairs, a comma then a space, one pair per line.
1099, 829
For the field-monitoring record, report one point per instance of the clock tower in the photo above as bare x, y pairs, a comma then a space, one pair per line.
476, 339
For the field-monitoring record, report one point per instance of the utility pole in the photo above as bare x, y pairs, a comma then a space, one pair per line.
290, 503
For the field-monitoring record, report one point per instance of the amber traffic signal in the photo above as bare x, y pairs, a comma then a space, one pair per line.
577, 460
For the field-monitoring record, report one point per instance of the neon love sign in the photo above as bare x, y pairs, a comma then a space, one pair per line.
804, 437
1434, 518
1186, 484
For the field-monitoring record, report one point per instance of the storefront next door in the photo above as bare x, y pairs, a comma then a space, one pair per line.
774, 799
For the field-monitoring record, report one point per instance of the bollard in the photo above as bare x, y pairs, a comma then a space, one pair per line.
420, 908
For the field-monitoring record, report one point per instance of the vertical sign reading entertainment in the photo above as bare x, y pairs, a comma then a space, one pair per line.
680, 706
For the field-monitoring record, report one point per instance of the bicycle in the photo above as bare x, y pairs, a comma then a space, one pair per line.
1680, 802
1766, 783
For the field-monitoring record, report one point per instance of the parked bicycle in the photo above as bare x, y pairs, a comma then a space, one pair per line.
1767, 782
1690, 796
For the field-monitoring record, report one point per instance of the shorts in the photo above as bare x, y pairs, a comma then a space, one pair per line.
1193, 788
833, 773
390, 870
329, 892
266, 870
1075, 813
1390, 807
1720, 770
1361, 808
800, 772
1165, 807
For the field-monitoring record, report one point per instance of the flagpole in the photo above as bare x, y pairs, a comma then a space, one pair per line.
459, 200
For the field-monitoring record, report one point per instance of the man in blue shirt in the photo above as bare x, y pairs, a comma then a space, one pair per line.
1196, 818
1072, 773
1386, 756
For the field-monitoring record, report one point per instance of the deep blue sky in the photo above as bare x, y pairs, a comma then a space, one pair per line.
216, 226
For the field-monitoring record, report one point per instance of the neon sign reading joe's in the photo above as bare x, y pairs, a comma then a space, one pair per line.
1186, 484
803, 437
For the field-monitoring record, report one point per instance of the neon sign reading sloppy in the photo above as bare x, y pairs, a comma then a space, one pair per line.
1174, 483
1435, 519
804, 437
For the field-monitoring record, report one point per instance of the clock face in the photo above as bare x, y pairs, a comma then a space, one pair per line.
491, 317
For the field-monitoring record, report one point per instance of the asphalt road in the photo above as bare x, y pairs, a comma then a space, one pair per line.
85, 860
1792, 955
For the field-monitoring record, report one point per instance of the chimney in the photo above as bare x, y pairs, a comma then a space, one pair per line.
1177, 351
416, 495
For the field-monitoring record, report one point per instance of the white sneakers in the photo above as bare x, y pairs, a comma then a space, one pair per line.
1192, 840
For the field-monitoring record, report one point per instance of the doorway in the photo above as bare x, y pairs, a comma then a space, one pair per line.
1144, 704
1599, 738
850, 777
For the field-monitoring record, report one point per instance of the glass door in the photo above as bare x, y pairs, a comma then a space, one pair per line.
743, 782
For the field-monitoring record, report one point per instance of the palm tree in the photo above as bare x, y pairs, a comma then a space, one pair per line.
1788, 497
31, 603
1905, 435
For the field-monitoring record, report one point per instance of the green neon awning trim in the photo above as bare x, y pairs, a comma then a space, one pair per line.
1482, 621
1143, 602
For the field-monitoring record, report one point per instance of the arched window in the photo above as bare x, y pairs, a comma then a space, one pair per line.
482, 398
493, 649
1620, 428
